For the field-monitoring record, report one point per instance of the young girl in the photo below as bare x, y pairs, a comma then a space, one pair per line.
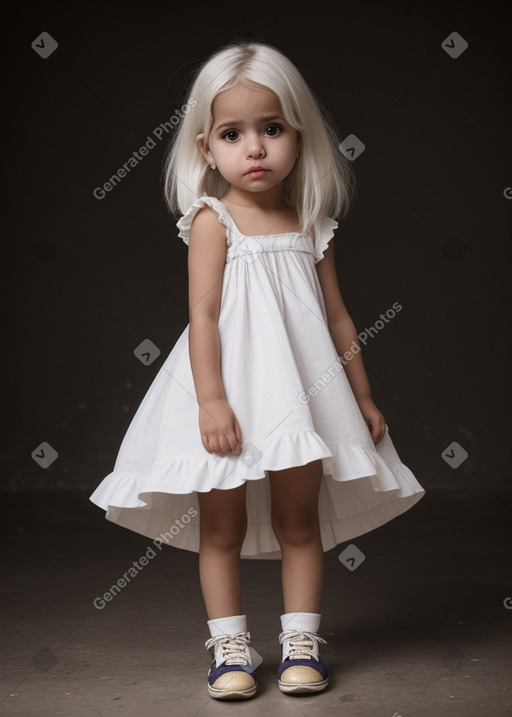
258, 437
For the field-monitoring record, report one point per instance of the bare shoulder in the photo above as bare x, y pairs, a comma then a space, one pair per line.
207, 249
206, 229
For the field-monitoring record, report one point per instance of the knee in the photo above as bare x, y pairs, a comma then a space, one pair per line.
294, 528
224, 533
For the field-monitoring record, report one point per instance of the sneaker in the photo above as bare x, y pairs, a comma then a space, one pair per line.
301, 669
231, 675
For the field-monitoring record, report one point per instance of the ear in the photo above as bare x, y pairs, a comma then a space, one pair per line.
204, 148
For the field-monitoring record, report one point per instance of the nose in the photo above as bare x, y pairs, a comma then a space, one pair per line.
255, 146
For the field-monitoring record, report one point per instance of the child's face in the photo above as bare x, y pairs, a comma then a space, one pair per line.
253, 132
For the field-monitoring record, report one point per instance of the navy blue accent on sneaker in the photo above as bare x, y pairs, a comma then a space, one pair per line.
310, 662
222, 669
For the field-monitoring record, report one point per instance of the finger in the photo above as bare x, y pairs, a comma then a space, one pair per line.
223, 445
206, 445
234, 445
214, 445
238, 431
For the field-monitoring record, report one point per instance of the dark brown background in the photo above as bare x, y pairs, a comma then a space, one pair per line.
85, 281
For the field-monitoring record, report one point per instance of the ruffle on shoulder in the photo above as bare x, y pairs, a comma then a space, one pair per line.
185, 222
324, 232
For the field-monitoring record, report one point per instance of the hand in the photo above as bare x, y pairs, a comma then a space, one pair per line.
219, 428
374, 419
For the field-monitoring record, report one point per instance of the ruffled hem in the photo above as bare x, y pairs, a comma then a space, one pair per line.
190, 475
149, 505
185, 222
354, 462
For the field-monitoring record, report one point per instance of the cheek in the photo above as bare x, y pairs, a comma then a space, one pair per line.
290, 152
223, 151
291, 147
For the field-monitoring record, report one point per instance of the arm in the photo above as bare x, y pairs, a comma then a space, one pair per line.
344, 335
206, 259
218, 425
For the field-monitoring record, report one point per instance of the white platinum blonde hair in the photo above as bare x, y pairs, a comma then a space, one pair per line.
322, 180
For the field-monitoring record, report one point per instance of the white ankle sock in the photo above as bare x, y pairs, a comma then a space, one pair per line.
309, 621
228, 625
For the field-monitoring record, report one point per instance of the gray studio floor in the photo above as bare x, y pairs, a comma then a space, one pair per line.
419, 628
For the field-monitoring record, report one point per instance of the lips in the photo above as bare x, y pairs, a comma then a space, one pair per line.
257, 168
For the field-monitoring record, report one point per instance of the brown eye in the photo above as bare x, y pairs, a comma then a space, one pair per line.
229, 135
275, 130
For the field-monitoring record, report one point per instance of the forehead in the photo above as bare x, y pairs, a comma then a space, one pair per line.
240, 101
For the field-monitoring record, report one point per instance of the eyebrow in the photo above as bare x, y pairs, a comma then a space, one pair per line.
239, 122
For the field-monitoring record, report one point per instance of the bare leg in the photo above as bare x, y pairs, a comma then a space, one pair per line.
296, 526
223, 524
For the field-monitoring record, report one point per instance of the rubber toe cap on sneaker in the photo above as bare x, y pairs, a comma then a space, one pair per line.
301, 674
234, 681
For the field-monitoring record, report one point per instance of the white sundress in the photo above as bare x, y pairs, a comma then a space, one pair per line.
285, 383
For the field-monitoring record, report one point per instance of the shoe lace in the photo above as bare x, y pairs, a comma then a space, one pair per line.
301, 642
233, 647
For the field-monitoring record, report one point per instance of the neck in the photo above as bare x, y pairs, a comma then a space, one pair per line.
269, 200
